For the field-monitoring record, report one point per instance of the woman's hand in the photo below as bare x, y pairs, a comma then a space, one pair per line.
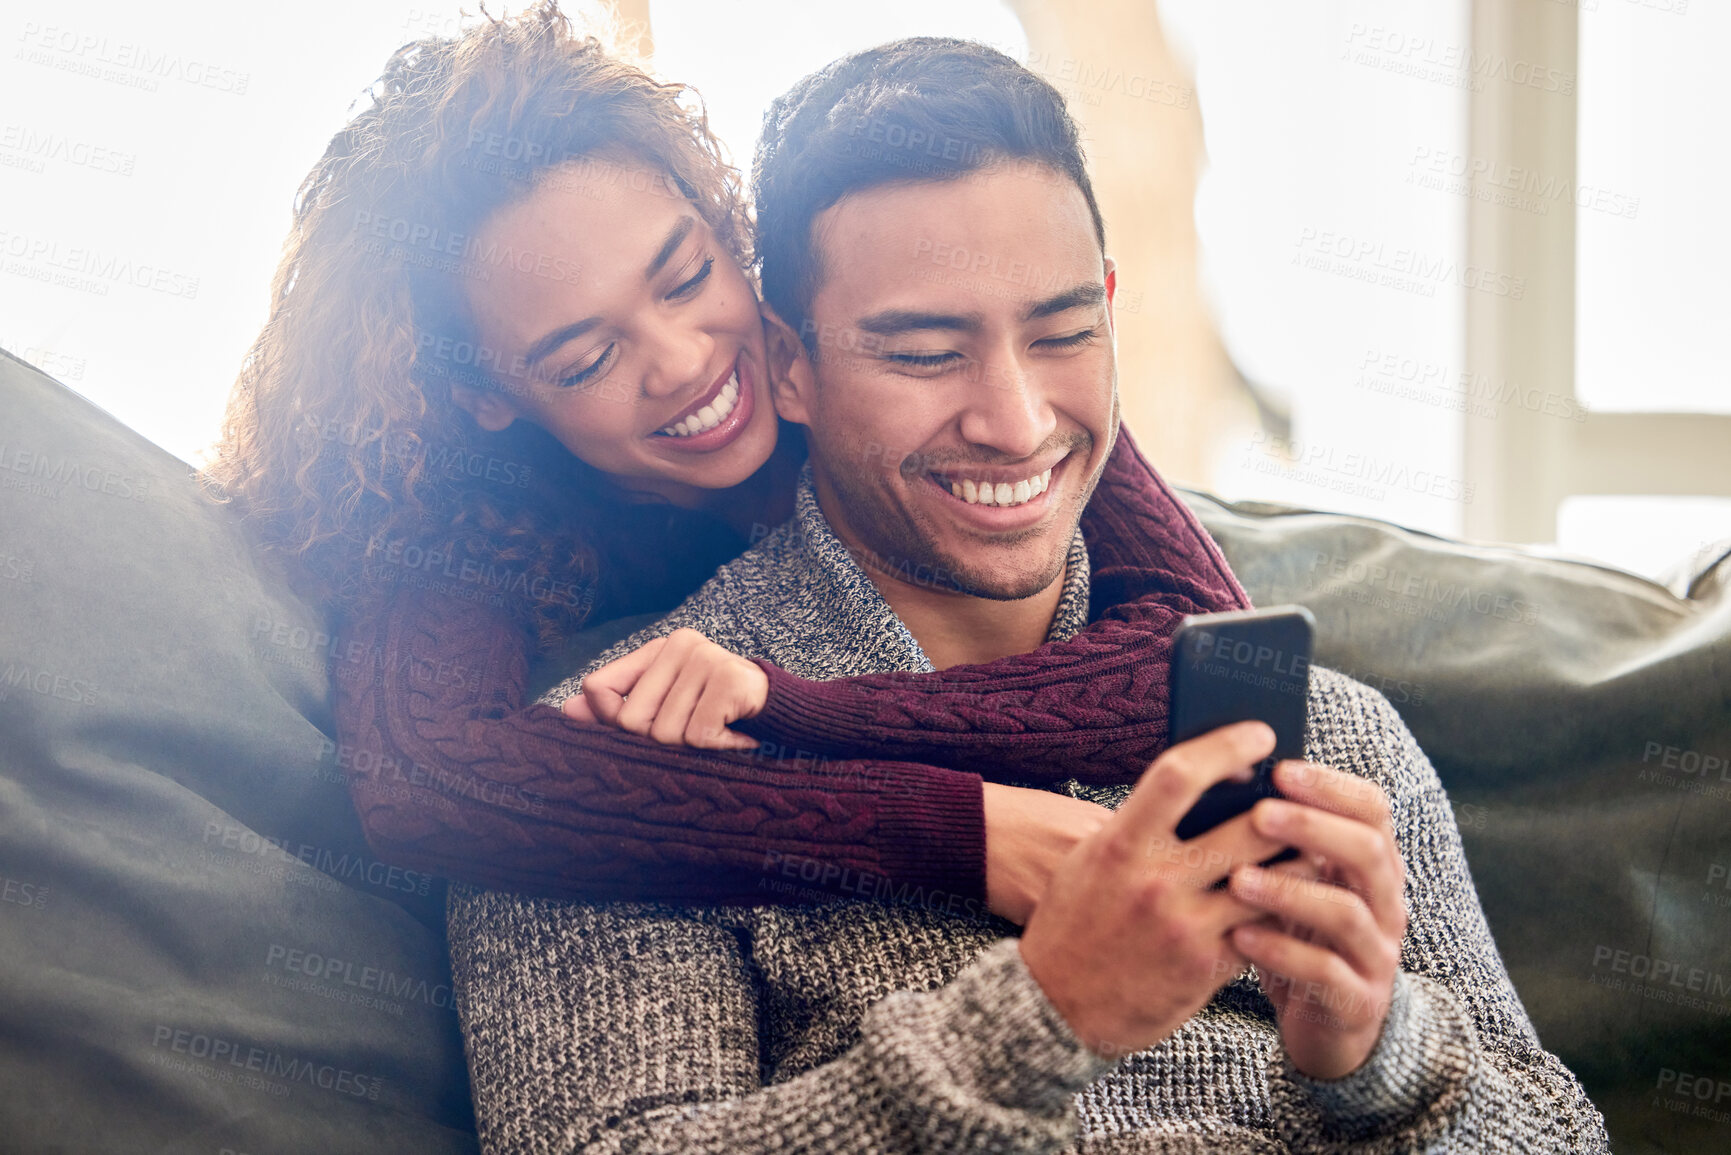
681, 690
1028, 832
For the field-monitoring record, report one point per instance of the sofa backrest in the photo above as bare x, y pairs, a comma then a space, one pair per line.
199, 953
197, 950
1580, 718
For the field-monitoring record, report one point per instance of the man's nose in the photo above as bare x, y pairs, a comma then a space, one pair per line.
1007, 410
676, 357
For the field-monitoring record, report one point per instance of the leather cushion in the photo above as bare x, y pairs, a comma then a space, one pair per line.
170, 980
1580, 718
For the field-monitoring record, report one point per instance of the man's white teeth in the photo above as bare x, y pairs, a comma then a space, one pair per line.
710, 415
1002, 492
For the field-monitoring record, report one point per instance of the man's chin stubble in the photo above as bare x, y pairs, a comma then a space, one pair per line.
900, 551
996, 583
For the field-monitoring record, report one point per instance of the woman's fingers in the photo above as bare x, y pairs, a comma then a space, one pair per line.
724, 740
643, 699
605, 688
719, 706
673, 716
679, 690
577, 707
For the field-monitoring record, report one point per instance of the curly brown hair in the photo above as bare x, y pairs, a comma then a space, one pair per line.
342, 445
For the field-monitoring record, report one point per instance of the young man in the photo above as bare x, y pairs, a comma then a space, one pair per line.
957, 425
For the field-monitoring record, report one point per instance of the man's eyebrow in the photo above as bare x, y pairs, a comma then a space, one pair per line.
1082, 296
681, 228
892, 322
557, 338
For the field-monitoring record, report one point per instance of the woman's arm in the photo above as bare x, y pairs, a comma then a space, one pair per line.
454, 774
1091, 708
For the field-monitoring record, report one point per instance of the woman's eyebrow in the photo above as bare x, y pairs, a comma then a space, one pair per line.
557, 338
681, 228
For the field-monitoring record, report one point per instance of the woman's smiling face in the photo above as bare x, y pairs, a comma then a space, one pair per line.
625, 328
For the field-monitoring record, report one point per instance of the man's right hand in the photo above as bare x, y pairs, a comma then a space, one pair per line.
1130, 939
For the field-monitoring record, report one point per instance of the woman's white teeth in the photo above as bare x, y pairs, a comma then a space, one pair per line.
710, 415
1002, 492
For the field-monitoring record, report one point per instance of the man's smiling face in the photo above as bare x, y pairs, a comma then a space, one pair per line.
966, 388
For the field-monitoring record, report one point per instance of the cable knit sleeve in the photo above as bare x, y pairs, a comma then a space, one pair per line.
1091, 708
633, 1028
453, 773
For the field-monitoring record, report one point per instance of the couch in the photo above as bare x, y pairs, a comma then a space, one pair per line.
198, 952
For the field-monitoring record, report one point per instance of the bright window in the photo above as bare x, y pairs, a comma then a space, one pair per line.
1653, 234
1334, 262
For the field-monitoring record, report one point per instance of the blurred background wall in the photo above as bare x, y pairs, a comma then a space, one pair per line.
1460, 264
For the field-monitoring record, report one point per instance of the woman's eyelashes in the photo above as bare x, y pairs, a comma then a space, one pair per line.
689, 287
590, 373
683, 291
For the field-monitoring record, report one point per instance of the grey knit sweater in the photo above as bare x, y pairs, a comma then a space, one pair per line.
905, 1021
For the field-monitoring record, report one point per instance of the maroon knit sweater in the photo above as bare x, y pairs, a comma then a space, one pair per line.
455, 775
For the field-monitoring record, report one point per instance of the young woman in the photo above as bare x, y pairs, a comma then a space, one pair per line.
514, 382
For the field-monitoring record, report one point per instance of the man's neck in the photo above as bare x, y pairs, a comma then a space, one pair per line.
960, 630
953, 628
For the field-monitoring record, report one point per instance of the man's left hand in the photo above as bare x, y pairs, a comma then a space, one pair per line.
1329, 952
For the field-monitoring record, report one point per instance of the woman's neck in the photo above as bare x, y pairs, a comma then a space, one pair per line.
759, 503
766, 498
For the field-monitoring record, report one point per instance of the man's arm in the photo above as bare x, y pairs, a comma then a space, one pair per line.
1458, 1066
634, 1028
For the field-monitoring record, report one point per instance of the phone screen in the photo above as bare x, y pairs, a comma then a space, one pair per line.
1235, 667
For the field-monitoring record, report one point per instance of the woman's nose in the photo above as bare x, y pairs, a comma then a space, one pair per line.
679, 356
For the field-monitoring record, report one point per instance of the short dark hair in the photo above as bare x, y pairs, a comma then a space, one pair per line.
922, 109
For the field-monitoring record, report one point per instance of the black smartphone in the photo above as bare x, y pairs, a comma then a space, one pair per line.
1236, 667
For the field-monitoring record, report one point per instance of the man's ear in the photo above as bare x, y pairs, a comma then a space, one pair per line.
492, 411
1111, 293
792, 378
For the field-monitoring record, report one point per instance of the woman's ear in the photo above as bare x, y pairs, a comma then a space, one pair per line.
492, 411
792, 379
